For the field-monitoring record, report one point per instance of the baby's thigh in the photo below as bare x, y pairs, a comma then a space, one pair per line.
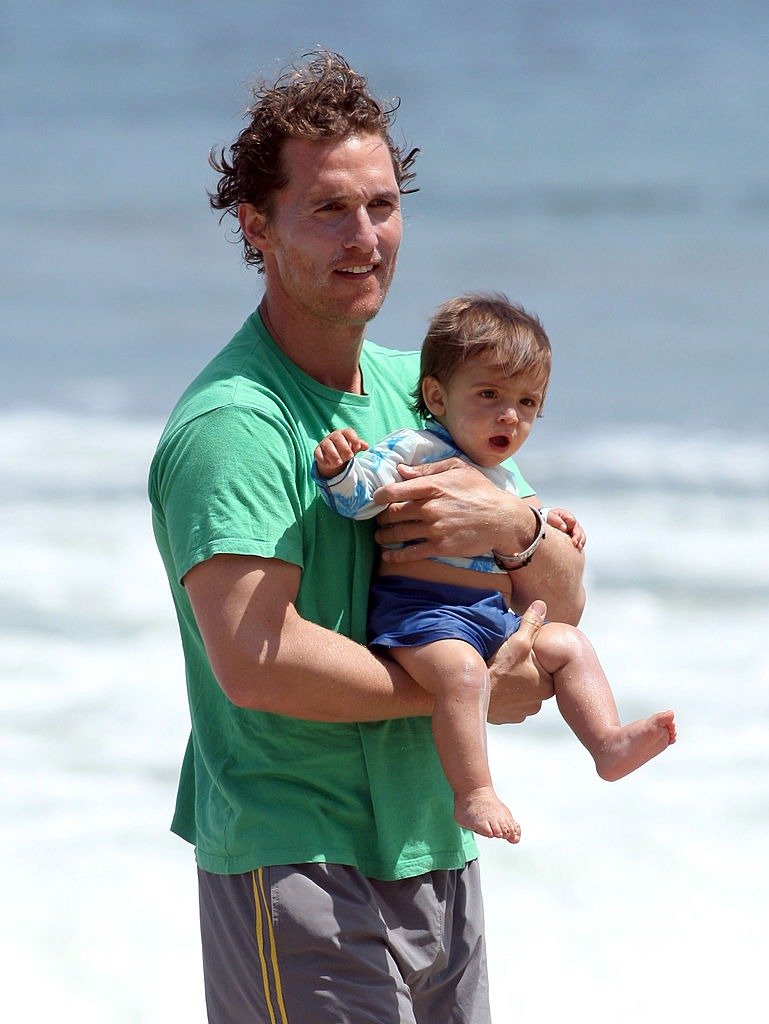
444, 666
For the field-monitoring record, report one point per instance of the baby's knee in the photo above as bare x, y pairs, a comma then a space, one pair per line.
471, 677
558, 643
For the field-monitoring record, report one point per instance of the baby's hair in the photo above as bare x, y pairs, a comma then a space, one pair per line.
480, 324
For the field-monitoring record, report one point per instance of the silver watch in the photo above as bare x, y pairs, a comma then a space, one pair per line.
510, 562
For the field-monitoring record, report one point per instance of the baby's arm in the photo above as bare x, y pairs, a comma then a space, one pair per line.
348, 484
565, 521
335, 451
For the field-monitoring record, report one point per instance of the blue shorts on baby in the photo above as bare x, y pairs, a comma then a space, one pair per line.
408, 613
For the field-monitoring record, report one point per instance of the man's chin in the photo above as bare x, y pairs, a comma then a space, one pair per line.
367, 307
359, 316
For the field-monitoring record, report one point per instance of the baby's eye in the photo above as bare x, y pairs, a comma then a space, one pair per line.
487, 393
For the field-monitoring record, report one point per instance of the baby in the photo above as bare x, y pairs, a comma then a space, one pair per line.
484, 373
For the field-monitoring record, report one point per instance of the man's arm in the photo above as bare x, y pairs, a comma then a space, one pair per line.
554, 575
449, 508
265, 656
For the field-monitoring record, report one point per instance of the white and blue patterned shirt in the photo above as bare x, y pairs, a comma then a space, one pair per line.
350, 492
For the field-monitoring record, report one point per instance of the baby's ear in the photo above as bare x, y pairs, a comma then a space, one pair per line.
434, 396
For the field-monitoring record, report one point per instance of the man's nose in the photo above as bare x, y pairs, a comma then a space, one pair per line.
360, 232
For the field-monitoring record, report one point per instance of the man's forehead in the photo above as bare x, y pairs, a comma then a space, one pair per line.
323, 162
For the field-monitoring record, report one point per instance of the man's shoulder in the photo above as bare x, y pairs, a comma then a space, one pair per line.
238, 377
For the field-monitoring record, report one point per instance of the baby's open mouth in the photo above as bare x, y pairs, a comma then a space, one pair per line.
499, 441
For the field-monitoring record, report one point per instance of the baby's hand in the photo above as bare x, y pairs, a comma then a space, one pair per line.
335, 451
565, 521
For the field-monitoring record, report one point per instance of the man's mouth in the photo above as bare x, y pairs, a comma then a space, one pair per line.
364, 268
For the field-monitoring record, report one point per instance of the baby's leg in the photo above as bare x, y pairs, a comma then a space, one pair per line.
587, 704
456, 675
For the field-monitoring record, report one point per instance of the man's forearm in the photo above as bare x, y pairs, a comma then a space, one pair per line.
322, 676
554, 570
554, 576
265, 656
315, 674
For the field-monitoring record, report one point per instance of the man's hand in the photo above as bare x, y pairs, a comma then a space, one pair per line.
447, 508
518, 685
451, 509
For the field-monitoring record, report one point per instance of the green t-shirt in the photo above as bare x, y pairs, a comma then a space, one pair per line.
232, 475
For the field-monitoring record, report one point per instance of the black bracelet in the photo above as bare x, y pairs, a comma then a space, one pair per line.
510, 562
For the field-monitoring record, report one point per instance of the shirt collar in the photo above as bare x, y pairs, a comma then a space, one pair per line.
437, 428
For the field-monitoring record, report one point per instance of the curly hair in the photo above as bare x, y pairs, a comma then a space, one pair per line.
479, 324
321, 99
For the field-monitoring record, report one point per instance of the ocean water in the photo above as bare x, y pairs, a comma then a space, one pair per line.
605, 164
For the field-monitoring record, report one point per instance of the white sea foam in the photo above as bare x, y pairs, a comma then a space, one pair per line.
679, 515
661, 458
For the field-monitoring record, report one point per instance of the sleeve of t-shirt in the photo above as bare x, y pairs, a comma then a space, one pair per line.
524, 490
228, 484
351, 492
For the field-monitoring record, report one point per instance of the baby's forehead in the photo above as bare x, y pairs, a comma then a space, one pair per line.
491, 369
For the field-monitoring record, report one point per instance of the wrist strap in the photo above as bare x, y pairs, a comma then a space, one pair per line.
510, 562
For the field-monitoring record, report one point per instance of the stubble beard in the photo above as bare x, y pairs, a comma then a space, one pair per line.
358, 313
309, 290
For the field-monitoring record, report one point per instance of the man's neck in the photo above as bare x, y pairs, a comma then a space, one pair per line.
326, 351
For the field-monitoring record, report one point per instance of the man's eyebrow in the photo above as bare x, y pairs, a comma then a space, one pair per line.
322, 196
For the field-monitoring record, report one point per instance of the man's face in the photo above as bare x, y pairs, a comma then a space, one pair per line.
331, 242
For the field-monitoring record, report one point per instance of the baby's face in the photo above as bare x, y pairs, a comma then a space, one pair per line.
488, 414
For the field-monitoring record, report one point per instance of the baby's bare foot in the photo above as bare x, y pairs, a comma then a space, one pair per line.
630, 746
482, 811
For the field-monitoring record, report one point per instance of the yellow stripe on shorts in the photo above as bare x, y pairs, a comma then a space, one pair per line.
273, 994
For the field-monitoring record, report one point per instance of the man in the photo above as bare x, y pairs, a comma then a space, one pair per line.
334, 883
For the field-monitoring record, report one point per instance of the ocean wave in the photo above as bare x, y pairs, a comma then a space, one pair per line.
49, 453
84, 452
658, 458
680, 519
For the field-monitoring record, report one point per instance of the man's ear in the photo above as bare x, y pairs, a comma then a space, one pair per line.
253, 224
433, 395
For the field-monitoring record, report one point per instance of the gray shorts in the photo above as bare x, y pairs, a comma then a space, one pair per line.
322, 944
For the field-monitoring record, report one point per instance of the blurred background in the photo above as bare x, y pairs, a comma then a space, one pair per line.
605, 164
